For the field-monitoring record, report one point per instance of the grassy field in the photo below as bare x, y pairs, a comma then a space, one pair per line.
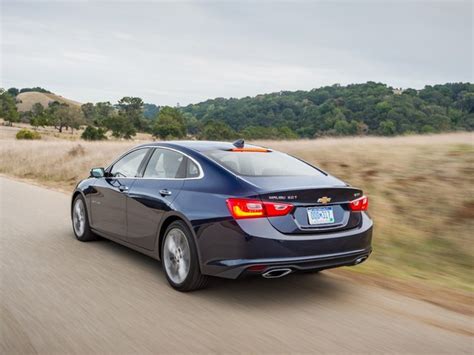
421, 192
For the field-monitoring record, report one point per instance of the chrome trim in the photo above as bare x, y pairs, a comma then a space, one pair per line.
277, 273
360, 260
201, 171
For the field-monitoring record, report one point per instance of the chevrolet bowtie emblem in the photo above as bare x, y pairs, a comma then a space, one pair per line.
324, 200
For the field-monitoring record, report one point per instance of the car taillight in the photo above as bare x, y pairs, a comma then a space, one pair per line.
246, 208
361, 204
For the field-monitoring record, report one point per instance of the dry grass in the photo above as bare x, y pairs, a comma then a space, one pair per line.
51, 133
421, 198
421, 190
56, 163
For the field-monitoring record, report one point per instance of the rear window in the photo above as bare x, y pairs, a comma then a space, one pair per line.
261, 164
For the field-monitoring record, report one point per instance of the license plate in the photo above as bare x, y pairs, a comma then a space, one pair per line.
320, 215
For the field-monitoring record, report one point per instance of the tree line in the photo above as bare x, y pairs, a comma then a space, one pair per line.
358, 109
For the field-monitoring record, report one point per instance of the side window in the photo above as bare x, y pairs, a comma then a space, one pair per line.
128, 166
193, 170
166, 164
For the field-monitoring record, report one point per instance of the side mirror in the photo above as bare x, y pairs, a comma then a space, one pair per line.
97, 172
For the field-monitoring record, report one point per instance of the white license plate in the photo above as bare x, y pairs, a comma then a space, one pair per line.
320, 215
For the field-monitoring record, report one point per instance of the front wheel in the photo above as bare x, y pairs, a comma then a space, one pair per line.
80, 222
180, 259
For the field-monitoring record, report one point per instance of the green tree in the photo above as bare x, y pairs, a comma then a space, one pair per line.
132, 109
150, 111
441, 123
258, 132
351, 109
37, 89
387, 128
170, 123
192, 124
39, 116
466, 102
342, 128
93, 134
103, 111
120, 126
88, 109
216, 130
8, 110
13, 91
65, 116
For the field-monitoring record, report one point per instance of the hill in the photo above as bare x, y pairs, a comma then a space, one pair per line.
26, 100
357, 109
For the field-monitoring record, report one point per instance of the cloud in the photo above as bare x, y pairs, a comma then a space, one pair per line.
122, 36
169, 52
78, 56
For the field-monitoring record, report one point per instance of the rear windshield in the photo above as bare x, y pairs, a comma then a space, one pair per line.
261, 164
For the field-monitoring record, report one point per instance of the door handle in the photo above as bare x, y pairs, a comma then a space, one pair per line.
123, 188
165, 192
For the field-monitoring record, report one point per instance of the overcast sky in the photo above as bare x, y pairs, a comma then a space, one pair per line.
186, 52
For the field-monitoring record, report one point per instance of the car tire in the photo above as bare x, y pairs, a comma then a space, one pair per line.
180, 259
80, 220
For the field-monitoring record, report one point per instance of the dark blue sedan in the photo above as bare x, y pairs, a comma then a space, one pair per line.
223, 209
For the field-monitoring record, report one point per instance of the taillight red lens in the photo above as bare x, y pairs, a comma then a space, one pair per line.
277, 209
361, 204
240, 208
246, 208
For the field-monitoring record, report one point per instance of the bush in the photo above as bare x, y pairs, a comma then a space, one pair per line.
93, 134
27, 134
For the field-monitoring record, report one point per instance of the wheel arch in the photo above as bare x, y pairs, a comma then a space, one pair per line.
81, 193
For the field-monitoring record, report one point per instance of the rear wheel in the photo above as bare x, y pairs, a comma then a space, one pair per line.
80, 221
180, 259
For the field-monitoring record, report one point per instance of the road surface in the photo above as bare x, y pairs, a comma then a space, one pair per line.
59, 295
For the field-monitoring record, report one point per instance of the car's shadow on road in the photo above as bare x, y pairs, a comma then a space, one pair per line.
287, 290
251, 291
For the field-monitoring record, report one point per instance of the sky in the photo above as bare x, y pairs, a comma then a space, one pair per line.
186, 52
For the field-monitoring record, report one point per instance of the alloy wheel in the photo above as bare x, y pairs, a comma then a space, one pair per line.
79, 217
176, 256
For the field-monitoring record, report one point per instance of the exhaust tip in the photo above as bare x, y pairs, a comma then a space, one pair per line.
276, 273
360, 260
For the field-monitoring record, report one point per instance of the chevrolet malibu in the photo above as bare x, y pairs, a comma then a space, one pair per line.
223, 209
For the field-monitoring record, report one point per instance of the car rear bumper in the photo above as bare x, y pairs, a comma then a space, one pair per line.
239, 268
233, 247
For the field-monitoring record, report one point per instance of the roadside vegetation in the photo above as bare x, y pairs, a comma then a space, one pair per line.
352, 110
27, 134
421, 192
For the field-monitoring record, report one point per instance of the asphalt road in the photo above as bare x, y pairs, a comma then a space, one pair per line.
59, 295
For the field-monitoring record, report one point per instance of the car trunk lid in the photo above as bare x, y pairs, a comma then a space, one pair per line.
321, 204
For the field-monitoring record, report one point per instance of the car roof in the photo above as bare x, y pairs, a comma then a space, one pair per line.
200, 146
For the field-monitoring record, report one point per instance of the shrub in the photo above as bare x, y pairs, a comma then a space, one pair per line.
93, 134
27, 134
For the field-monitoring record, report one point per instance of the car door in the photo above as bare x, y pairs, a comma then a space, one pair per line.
108, 203
153, 194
